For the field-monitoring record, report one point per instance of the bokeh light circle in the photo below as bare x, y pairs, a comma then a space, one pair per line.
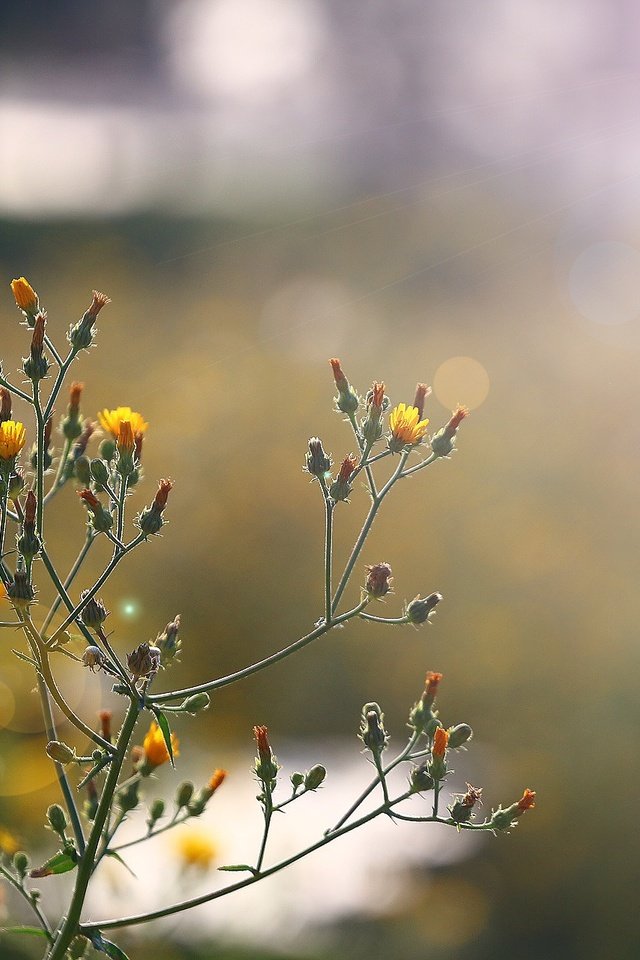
461, 380
604, 282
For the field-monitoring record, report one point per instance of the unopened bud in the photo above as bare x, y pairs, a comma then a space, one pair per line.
151, 520
20, 591
99, 471
459, 735
317, 462
81, 334
461, 809
443, 442
184, 794
94, 658
60, 752
314, 777
72, 423
36, 364
5, 405
21, 863
57, 818
372, 730
420, 609
128, 798
420, 780
377, 403
297, 779
197, 702
94, 612
341, 488
156, 810
347, 400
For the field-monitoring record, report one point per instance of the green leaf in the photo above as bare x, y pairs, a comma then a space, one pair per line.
238, 868
61, 862
23, 656
116, 856
30, 931
163, 723
106, 946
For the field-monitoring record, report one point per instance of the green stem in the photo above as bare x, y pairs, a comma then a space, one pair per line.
366, 527
4, 573
106, 573
70, 577
16, 391
87, 928
329, 506
121, 505
395, 620
268, 813
149, 836
365, 450
261, 664
39, 650
44, 923
403, 755
64, 366
69, 927
41, 421
65, 789
420, 466
59, 479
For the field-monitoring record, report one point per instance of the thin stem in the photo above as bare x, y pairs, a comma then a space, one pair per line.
366, 527
395, 620
420, 466
437, 787
64, 366
41, 421
381, 777
403, 755
87, 928
365, 450
85, 868
64, 596
70, 577
261, 664
65, 789
90, 594
33, 903
329, 507
4, 573
121, 505
40, 650
149, 836
268, 813
16, 391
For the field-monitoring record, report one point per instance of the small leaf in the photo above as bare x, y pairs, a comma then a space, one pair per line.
106, 946
30, 931
116, 856
23, 656
238, 868
163, 723
60, 862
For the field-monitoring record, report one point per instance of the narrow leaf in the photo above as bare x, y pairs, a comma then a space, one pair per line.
163, 723
116, 856
106, 946
30, 931
238, 868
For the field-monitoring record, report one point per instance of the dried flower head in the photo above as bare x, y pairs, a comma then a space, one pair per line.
378, 582
422, 392
98, 301
527, 800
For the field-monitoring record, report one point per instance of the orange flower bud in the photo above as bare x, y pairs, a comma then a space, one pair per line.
440, 740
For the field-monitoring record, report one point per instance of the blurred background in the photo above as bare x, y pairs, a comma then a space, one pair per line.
430, 191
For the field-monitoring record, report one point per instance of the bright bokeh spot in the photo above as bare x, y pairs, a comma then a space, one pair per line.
604, 283
130, 609
243, 48
461, 380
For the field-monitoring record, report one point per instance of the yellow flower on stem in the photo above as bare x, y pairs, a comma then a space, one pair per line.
25, 295
195, 847
12, 438
406, 426
112, 420
155, 749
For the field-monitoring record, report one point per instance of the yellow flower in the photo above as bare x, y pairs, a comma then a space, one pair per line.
112, 420
12, 438
195, 847
406, 427
155, 749
26, 297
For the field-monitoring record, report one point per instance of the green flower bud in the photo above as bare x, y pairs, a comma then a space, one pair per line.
197, 702
108, 449
128, 799
21, 863
420, 609
156, 810
459, 734
297, 779
99, 471
57, 818
317, 462
314, 777
372, 731
60, 752
420, 780
184, 794
83, 471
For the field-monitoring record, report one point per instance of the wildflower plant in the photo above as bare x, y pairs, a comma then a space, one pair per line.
104, 777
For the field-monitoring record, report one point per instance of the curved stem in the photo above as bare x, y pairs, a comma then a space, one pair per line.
69, 927
44, 923
149, 836
16, 391
261, 664
394, 620
329, 506
268, 813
